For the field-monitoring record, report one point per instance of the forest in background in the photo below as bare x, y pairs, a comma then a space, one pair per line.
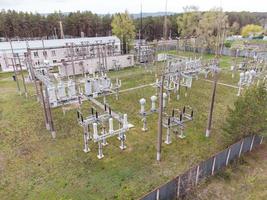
34, 25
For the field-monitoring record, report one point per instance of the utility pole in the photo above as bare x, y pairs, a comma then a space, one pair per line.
141, 22
140, 33
208, 129
165, 31
159, 139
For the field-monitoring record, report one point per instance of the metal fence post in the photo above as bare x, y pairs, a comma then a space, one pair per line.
241, 147
228, 155
197, 174
178, 187
157, 197
213, 165
261, 139
251, 145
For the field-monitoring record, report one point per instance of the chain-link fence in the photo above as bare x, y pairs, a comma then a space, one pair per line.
182, 184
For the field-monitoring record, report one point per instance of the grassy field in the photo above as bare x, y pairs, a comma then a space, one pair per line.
245, 179
33, 166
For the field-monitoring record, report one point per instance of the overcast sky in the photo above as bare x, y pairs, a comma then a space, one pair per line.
133, 6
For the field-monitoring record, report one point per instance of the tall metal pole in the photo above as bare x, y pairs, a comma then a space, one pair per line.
212, 105
159, 141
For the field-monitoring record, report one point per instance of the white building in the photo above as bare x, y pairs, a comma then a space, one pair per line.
55, 50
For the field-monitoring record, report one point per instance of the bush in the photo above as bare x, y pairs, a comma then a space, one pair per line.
228, 44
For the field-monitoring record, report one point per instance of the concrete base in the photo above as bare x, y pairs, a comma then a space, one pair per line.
53, 133
47, 126
104, 143
158, 156
100, 156
182, 136
144, 129
168, 142
86, 150
122, 147
207, 133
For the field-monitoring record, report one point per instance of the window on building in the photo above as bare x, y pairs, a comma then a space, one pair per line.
54, 61
35, 54
25, 54
53, 53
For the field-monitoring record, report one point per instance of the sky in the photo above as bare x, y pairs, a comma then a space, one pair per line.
133, 6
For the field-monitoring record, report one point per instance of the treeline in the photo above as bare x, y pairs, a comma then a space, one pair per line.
24, 24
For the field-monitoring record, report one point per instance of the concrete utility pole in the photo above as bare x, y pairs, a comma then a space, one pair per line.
212, 104
159, 142
165, 31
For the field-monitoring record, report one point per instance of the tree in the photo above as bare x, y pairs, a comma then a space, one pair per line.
249, 115
251, 29
123, 27
212, 29
234, 29
188, 22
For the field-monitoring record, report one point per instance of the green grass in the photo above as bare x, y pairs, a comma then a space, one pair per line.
33, 166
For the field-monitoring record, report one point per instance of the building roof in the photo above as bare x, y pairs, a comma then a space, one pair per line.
21, 46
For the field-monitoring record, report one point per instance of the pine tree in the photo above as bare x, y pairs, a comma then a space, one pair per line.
249, 115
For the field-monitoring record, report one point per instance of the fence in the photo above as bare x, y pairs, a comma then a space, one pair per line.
182, 184
172, 45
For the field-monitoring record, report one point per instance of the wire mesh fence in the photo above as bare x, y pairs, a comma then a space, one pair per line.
182, 184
